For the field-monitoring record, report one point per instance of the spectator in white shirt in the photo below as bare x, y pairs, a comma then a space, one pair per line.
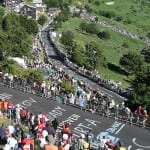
102, 143
11, 143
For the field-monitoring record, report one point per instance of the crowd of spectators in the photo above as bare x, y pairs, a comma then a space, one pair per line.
92, 75
44, 131
28, 131
86, 97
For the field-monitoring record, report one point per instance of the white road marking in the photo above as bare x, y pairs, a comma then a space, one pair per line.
129, 147
120, 129
141, 146
5, 96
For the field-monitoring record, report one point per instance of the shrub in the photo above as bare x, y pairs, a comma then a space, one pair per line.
42, 19
127, 21
89, 10
146, 53
108, 14
97, 3
103, 35
125, 45
148, 34
92, 28
118, 18
67, 86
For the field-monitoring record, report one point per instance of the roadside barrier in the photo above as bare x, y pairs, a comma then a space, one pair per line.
108, 84
116, 113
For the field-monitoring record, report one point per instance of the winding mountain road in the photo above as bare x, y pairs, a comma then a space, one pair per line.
56, 60
134, 137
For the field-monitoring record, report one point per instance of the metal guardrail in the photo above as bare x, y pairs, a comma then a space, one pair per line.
79, 70
106, 83
59, 97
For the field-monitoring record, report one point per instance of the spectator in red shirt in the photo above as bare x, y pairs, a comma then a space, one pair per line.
139, 110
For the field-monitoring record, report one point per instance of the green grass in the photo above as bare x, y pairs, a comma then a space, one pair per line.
25, 129
137, 11
8, 122
112, 48
5, 121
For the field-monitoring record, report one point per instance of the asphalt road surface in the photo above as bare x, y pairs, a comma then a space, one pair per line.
54, 58
134, 137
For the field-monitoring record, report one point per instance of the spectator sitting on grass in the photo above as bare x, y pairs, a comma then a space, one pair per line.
2, 134
50, 145
11, 142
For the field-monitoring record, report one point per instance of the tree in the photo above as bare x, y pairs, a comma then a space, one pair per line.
103, 35
30, 25
146, 52
89, 10
119, 18
63, 16
67, 38
92, 28
14, 38
78, 53
21, 41
34, 75
3, 43
132, 62
10, 20
94, 56
141, 88
67, 86
51, 3
1, 2
107, 13
42, 19
97, 3
83, 26
1, 16
148, 34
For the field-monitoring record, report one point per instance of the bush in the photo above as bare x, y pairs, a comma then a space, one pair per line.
42, 19
103, 35
92, 28
108, 14
146, 53
89, 10
67, 86
148, 35
125, 45
119, 18
97, 3
77, 14
127, 21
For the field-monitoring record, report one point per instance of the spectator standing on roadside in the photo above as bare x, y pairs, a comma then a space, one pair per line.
18, 116
11, 142
139, 110
50, 145
42, 140
139, 113
50, 129
81, 142
2, 134
116, 111
128, 112
10, 107
53, 90
23, 115
90, 137
145, 117
55, 124
102, 143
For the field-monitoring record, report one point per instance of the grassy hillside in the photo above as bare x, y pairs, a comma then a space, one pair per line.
113, 48
134, 14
